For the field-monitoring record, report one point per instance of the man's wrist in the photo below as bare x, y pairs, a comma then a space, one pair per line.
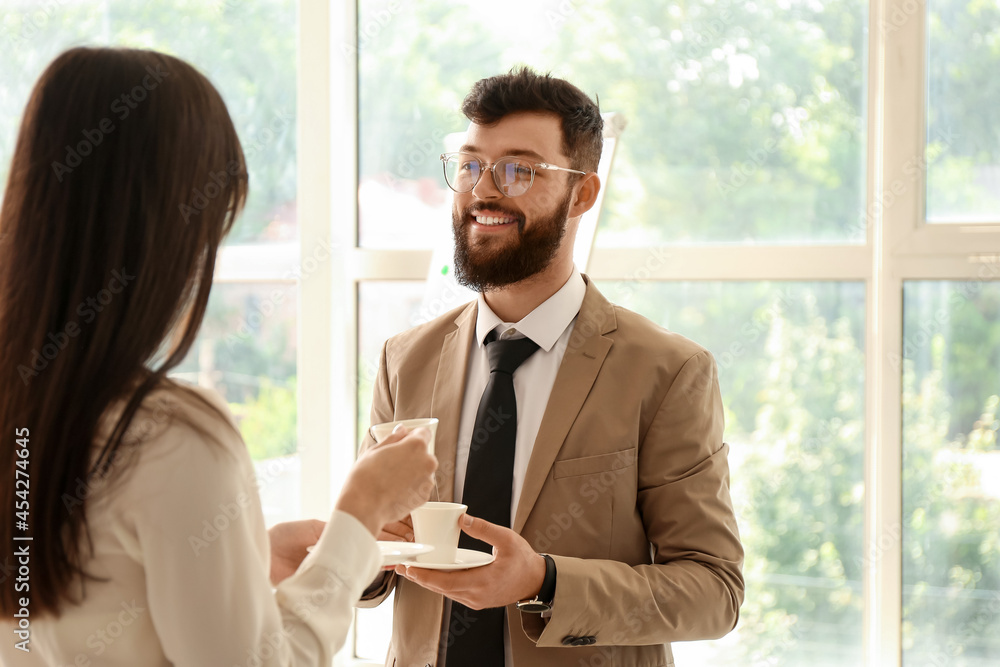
542, 602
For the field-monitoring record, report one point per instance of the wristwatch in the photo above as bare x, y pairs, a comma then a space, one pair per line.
543, 601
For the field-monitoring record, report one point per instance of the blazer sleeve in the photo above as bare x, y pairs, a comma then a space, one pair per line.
694, 586
382, 411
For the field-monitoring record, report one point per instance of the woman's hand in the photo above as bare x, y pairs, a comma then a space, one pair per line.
288, 546
389, 480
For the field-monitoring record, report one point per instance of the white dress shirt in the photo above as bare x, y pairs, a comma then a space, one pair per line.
550, 325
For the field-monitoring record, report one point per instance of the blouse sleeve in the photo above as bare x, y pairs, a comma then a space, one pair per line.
199, 532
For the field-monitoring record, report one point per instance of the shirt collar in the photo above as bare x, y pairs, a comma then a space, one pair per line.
546, 323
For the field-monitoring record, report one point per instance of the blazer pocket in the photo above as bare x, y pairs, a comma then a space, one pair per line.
588, 465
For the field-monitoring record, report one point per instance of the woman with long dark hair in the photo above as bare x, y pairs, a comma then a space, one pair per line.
131, 531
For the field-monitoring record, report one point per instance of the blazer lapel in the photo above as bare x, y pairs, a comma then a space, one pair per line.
581, 363
446, 401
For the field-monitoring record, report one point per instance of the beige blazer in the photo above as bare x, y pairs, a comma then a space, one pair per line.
627, 488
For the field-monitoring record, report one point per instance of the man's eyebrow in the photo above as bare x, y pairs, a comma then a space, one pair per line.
516, 152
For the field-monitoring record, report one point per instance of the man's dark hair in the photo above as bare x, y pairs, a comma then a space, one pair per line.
523, 89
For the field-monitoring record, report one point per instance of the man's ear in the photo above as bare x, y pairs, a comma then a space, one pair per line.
585, 194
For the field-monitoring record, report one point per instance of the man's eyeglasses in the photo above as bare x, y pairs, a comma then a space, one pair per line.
512, 175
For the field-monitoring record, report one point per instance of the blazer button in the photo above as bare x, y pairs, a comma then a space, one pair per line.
569, 640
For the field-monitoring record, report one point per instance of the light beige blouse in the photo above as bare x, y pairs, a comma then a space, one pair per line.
180, 543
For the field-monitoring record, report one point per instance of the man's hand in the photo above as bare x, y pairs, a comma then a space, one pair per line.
516, 574
397, 531
288, 546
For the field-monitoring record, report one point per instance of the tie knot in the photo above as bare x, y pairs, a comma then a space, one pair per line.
506, 355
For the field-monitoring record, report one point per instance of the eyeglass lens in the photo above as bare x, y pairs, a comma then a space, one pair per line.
513, 177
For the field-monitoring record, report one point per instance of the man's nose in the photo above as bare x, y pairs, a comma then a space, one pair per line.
487, 188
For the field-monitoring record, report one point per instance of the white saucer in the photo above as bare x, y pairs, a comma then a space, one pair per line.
464, 560
394, 553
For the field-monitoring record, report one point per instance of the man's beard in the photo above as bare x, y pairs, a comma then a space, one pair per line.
493, 263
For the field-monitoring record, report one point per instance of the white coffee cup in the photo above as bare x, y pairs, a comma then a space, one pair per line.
381, 431
436, 523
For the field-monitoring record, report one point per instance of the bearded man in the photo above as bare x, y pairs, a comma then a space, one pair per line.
601, 484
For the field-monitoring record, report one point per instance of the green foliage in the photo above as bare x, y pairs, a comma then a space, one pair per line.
791, 369
268, 420
951, 497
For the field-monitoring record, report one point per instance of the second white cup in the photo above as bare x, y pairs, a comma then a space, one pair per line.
436, 523
381, 431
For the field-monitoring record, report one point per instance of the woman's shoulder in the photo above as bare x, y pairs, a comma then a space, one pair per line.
178, 426
177, 404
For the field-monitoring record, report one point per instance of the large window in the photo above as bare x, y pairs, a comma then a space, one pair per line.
809, 188
770, 199
247, 348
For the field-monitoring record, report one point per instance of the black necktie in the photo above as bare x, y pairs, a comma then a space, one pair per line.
475, 638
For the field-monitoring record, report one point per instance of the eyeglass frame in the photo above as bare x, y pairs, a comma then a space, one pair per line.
544, 166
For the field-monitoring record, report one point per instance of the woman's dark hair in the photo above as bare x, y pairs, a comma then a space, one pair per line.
126, 177
523, 89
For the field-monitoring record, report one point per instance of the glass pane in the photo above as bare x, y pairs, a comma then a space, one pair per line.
791, 366
745, 119
963, 146
951, 473
385, 308
246, 352
247, 49
791, 370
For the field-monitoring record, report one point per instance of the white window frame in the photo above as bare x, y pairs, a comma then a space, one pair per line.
900, 245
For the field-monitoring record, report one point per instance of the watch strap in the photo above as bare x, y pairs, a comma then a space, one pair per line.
548, 590
543, 601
